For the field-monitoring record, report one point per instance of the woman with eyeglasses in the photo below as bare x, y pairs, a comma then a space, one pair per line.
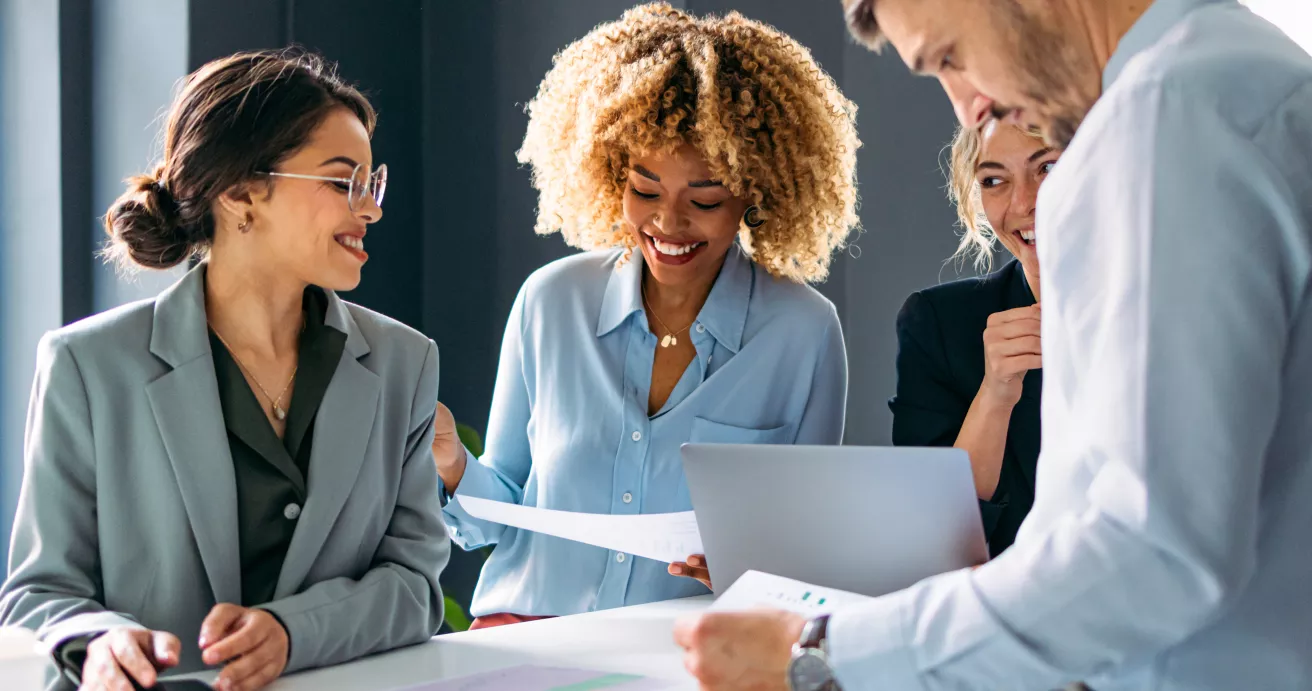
706, 165
237, 473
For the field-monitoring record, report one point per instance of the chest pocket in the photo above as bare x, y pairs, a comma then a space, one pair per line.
707, 432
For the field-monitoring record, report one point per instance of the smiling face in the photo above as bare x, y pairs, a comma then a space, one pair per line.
1011, 60
1012, 164
306, 227
684, 221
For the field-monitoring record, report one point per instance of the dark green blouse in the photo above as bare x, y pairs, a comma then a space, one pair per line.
272, 474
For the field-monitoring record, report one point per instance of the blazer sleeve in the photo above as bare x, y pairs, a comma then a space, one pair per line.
398, 601
54, 585
927, 411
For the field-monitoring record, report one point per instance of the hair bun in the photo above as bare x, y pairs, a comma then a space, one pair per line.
143, 225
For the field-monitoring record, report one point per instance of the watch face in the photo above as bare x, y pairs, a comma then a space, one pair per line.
809, 672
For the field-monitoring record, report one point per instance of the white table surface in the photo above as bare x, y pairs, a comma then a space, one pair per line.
630, 640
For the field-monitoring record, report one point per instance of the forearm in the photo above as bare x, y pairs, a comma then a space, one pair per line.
983, 436
340, 619
452, 471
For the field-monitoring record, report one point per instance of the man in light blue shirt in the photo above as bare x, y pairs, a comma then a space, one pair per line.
1167, 547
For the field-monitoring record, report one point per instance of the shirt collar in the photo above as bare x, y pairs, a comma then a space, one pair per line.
1148, 30
180, 331
725, 311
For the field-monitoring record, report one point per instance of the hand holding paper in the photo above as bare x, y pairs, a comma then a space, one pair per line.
665, 537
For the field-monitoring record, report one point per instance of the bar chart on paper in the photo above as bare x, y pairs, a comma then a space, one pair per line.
535, 678
755, 589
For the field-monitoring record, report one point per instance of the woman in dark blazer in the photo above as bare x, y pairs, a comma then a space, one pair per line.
969, 352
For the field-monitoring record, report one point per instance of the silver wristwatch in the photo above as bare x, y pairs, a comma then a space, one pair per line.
809, 669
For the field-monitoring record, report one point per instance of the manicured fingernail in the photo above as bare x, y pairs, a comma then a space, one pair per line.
694, 561
676, 570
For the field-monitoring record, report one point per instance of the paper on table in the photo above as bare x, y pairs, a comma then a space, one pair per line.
22, 662
754, 590
666, 537
533, 678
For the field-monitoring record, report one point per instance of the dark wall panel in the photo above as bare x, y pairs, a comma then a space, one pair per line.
378, 47
75, 146
904, 122
219, 28
460, 198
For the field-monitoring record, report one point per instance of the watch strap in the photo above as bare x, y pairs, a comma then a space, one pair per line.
815, 633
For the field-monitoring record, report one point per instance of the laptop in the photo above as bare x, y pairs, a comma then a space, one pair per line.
869, 520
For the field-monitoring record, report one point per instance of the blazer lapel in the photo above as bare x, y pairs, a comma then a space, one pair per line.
341, 435
186, 406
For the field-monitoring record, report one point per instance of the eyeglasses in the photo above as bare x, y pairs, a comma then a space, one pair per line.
360, 183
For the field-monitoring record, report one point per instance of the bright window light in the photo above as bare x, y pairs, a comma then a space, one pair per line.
1294, 17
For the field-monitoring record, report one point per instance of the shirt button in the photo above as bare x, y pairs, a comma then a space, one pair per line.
620, 557
628, 497
701, 329
637, 436
291, 512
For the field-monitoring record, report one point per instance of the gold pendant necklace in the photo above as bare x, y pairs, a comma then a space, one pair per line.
278, 411
671, 337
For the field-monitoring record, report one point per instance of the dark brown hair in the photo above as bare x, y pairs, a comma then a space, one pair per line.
860, 15
234, 118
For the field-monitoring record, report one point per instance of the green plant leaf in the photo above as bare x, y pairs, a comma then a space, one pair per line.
470, 439
455, 615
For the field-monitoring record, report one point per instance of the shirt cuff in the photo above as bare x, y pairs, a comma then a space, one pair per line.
71, 655
869, 646
481, 482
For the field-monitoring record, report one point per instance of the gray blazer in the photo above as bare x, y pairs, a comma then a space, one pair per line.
128, 511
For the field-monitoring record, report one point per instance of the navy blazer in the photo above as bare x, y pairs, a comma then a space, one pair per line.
940, 366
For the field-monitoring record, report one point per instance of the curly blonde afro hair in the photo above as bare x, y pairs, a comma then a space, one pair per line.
771, 124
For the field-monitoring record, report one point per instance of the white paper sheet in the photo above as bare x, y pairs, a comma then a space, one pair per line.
533, 678
666, 537
756, 590
23, 661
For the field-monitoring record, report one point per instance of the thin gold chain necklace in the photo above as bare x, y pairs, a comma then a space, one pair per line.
278, 411
671, 336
